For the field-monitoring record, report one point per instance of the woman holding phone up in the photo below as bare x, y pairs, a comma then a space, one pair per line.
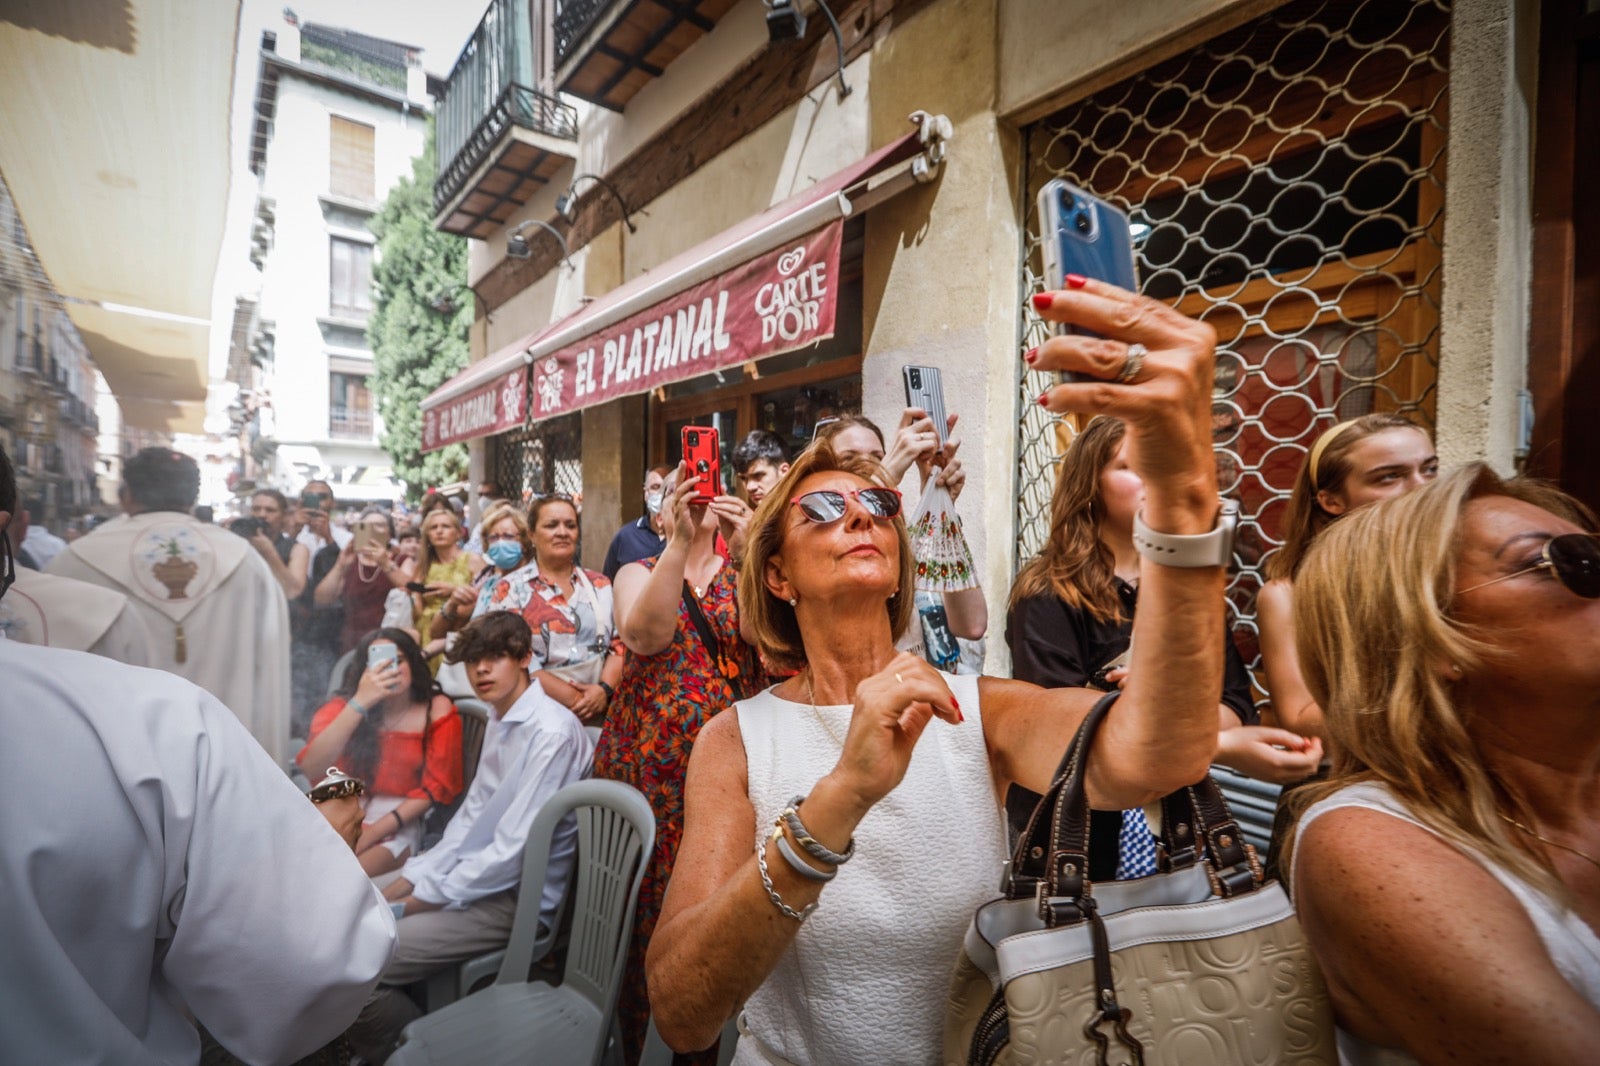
389, 725
360, 581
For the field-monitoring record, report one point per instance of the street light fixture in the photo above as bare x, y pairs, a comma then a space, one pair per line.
567, 202
786, 22
517, 244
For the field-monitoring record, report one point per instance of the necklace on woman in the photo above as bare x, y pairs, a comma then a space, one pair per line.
811, 694
1541, 838
361, 572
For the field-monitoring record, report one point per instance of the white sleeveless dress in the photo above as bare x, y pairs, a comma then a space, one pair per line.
866, 979
1573, 946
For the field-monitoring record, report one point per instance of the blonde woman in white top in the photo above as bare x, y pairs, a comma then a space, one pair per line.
1448, 872
827, 584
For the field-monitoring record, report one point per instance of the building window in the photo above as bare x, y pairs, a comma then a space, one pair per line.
350, 158
350, 278
349, 407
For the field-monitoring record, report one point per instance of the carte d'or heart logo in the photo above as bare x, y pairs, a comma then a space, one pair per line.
789, 262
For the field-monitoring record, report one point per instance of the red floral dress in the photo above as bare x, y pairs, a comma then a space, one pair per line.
660, 705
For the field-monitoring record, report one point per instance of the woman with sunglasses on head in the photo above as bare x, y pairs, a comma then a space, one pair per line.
577, 655
857, 804
390, 726
1071, 618
678, 615
1354, 463
1448, 871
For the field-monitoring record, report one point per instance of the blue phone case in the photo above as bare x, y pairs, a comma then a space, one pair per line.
1084, 235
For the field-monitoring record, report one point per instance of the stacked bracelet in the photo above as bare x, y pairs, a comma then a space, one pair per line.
800, 866
814, 848
772, 893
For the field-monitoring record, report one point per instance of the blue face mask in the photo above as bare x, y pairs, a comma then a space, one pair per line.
505, 554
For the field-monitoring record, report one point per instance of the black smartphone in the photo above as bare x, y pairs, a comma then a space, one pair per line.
418, 587
924, 390
1084, 235
313, 500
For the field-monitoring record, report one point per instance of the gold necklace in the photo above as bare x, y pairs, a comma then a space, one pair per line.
811, 694
1585, 856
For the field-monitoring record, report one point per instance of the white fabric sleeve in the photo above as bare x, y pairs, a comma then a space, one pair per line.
280, 937
549, 765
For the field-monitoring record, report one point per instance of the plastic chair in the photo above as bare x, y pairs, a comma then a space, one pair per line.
336, 677
474, 722
515, 1019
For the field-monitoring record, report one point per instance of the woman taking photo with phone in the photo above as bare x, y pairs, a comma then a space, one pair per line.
678, 615
442, 565
362, 578
850, 746
389, 725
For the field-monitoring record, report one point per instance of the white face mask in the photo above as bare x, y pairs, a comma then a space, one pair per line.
652, 501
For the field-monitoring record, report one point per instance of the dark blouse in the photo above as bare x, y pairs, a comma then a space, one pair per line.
1057, 646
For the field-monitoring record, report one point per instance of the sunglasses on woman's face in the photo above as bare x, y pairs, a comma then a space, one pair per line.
827, 505
1572, 559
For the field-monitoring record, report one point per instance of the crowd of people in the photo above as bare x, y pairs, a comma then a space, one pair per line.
834, 790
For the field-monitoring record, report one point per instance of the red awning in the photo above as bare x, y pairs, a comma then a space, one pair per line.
764, 286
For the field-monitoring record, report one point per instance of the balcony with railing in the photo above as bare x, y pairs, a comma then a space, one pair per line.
498, 139
607, 50
350, 423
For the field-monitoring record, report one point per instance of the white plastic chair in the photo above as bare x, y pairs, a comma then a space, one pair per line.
336, 675
516, 1020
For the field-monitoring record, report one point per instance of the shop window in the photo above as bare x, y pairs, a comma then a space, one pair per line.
349, 407
350, 158
349, 277
1284, 182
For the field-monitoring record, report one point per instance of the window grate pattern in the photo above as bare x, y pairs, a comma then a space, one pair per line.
1284, 182
540, 459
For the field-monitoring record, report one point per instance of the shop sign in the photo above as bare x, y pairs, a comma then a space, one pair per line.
777, 302
493, 408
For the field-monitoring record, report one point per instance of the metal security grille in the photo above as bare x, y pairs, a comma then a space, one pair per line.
541, 459
1284, 182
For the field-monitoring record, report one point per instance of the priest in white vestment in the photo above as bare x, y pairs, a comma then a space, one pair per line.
58, 612
213, 611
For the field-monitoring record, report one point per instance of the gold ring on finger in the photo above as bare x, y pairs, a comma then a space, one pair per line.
1135, 361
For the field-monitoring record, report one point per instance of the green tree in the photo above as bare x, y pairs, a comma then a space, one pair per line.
422, 309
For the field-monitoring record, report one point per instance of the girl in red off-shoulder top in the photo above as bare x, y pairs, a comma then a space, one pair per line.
390, 726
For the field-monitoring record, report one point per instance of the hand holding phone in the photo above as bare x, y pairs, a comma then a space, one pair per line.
702, 452
925, 390
1082, 234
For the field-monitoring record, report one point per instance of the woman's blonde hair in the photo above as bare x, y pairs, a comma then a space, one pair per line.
492, 517
1374, 632
1075, 565
1326, 467
426, 555
772, 620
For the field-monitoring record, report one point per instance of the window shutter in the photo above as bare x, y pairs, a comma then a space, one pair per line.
350, 152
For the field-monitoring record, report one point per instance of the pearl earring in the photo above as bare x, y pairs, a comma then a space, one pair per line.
793, 602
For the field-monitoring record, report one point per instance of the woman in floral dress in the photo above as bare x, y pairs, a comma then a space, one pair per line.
672, 684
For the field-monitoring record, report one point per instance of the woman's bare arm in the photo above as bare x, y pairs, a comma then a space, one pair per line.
1424, 949
967, 612
1292, 702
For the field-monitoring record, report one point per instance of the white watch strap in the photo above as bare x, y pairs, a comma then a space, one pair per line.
1189, 552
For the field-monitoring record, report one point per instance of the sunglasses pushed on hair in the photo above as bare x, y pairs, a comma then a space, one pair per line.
1572, 559
828, 505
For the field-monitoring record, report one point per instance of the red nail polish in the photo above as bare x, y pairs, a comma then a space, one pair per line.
1031, 354
959, 716
1044, 398
1043, 300
1076, 281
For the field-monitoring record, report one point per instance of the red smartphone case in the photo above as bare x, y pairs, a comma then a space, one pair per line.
703, 453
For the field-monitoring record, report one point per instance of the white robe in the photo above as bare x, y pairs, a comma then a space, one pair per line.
59, 612
213, 610
155, 862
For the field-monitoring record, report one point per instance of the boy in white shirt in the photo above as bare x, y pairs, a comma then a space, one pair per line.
457, 900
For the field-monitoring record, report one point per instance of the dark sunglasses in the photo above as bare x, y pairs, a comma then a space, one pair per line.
1572, 559
827, 505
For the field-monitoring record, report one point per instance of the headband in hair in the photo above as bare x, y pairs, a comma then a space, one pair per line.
1327, 438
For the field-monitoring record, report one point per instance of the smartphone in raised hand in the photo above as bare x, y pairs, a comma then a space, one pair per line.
924, 390
702, 451
1083, 234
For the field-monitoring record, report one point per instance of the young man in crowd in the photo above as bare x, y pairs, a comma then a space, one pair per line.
758, 462
313, 524
213, 610
458, 899
287, 558
159, 870
640, 538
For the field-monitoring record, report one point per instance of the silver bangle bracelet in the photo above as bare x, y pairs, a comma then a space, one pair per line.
801, 867
772, 893
813, 847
